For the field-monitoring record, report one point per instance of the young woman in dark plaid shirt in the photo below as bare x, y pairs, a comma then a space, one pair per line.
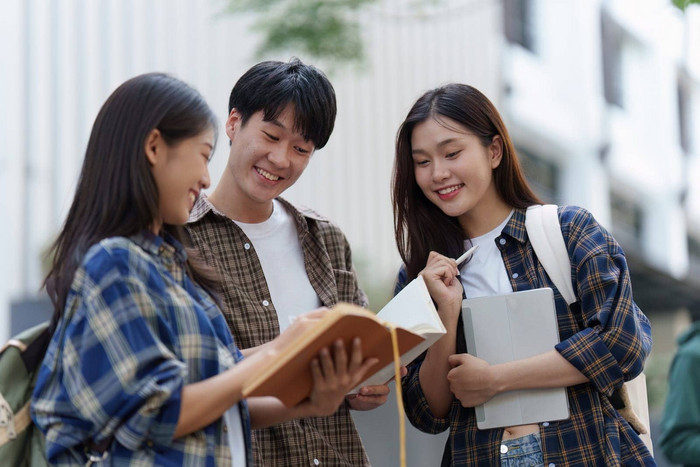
457, 181
142, 368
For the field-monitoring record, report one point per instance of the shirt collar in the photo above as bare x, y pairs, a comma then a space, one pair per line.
164, 246
515, 227
203, 207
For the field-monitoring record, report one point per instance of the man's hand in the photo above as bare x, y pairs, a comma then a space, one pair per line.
368, 397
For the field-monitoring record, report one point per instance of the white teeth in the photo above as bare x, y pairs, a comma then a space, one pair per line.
193, 197
445, 191
267, 174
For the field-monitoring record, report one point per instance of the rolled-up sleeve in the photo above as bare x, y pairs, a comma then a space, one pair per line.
616, 338
416, 405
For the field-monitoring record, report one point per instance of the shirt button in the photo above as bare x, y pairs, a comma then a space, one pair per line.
504, 449
265, 303
316, 462
515, 275
545, 424
502, 241
246, 246
552, 465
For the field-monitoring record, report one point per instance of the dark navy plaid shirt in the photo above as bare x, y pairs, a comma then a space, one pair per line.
604, 335
135, 330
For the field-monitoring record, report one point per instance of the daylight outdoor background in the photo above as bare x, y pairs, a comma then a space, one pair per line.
602, 98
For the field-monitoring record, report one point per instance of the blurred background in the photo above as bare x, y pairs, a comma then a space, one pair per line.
602, 99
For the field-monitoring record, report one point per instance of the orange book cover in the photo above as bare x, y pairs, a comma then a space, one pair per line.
289, 377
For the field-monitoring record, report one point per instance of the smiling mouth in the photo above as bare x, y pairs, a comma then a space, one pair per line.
267, 175
450, 189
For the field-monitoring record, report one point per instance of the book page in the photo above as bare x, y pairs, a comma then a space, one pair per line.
410, 309
413, 309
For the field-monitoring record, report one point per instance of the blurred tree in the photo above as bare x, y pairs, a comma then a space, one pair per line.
683, 4
325, 29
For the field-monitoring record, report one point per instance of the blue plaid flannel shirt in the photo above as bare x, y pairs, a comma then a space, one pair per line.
136, 329
605, 336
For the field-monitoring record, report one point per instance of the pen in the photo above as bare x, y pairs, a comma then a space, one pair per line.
466, 255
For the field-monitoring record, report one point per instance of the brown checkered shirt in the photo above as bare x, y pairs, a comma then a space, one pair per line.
251, 315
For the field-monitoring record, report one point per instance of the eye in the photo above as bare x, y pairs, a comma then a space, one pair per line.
421, 162
301, 150
207, 157
453, 154
271, 136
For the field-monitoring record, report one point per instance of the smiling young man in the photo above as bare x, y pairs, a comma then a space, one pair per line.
277, 260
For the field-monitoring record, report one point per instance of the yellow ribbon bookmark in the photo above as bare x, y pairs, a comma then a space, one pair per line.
399, 395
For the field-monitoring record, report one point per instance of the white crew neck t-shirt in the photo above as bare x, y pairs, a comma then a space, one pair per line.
277, 245
485, 273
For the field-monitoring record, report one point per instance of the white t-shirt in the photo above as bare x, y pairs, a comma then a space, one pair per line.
277, 245
485, 273
236, 440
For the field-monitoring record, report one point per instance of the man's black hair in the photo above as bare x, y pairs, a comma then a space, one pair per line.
271, 86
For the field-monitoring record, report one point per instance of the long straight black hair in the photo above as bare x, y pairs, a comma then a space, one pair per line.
116, 193
419, 225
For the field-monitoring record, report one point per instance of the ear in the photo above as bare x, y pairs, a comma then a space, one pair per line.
152, 147
233, 123
496, 151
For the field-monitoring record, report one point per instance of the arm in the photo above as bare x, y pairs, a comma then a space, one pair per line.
473, 381
205, 401
441, 278
615, 338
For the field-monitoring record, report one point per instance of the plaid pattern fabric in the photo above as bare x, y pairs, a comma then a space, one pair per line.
134, 332
604, 335
251, 315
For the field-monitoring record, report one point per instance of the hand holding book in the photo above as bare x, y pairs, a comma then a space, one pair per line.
289, 376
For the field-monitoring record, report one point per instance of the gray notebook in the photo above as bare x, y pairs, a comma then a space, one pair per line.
502, 328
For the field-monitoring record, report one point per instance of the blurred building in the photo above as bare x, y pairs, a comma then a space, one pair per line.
602, 98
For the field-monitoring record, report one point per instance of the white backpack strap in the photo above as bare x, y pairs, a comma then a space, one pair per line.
544, 232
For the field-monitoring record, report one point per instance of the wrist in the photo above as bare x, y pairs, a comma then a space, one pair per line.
499, 377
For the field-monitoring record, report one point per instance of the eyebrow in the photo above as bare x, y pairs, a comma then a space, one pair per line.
277, 123
211, 146
440, 144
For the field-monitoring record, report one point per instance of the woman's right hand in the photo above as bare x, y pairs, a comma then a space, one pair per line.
441, 276
334, 375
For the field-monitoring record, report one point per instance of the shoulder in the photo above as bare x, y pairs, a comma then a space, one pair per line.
311, 216
585, 234
115, 257
401, 280
302, 210
689, 341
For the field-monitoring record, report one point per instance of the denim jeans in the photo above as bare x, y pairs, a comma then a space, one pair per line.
523, 451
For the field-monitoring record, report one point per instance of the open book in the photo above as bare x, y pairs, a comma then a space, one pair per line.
412, 313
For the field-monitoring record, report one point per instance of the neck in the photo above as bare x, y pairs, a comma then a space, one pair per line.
228, 199
485, 217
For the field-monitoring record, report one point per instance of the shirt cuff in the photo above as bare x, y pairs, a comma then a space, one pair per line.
588, 353
156, 421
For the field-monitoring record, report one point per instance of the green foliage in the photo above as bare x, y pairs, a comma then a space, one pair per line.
683, 4
323, 29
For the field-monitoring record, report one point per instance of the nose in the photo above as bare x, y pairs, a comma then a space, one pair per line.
440, 171
279, 157
205, 181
